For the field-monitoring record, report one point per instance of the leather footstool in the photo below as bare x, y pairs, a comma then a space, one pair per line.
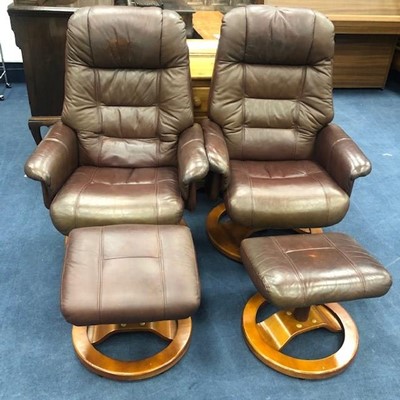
130, 278
302, 275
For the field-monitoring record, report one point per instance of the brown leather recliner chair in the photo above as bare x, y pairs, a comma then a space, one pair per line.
126, 149
280, 162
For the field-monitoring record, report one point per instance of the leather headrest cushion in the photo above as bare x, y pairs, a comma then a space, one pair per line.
280, 36
126, 37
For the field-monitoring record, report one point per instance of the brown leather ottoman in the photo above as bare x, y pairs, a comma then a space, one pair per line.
130, 278
298, 274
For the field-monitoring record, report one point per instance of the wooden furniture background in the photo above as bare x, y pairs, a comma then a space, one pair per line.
40, 33
366, 36
396, 57
208, 24
202, 56
219, 5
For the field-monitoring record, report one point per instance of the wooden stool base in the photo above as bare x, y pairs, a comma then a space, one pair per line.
226, 236
178, 333
268, 337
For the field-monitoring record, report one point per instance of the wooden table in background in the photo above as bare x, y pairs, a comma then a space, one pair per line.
202, 57
40, 33
365, 41
207, 24
366, 36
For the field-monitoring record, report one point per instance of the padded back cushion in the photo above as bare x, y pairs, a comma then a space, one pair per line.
127, 85
272, 82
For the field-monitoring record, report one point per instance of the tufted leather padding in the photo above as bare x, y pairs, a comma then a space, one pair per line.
283, 164
304, 270
129, 273
272, 87
284, 194
276, 36
151, 43
127, 91
88, 197
126, 150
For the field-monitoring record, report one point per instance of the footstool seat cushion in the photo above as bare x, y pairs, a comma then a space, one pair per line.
302, 270
128, 274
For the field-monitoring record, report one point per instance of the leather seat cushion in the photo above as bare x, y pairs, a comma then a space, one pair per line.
129, 273
302, 270
283, 194
104, 196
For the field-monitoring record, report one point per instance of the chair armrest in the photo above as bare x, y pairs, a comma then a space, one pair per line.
340, 156
192, 158
54, 160
217, 150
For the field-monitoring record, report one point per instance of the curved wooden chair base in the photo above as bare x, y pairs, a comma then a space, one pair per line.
226, 236
268, 337
178, 333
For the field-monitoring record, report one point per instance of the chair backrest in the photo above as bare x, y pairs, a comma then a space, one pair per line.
127, 85
272, 84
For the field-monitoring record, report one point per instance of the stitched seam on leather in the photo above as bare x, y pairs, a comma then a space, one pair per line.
161, 36
126, 257
315, 179
100, 274
245, 36
244, 92
300, 100
96, 89
271, 31
312, 41
119, 133
299, 104
99, 114
156, 192
243, 111
162, 274
79, 196
331, 151
89, 35
251, 195
129, 177
294, 268
308, 248
159, 75
353, 265
191, 141
195, 267
58, 141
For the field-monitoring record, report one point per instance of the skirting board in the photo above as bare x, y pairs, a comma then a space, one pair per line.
15, 72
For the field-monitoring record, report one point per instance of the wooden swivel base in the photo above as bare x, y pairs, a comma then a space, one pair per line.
268, 337
177, 332
226, 236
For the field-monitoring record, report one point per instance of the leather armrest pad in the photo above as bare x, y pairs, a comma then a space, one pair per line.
340, 156
217, 150
54, 159
192, 158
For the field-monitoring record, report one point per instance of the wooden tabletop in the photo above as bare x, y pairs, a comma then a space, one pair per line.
207, 24
357, 16
202, 57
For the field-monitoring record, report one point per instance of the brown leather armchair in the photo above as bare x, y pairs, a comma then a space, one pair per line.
126, 149
279, 161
